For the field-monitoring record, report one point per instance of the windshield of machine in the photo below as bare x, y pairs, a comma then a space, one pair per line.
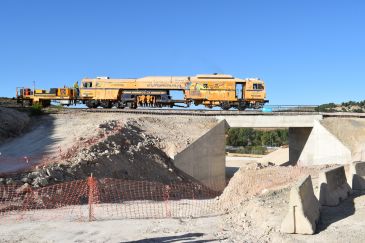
258, 86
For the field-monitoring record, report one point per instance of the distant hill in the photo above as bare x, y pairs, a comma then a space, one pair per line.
350, 106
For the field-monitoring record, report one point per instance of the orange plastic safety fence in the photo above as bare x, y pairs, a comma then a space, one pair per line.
107, 198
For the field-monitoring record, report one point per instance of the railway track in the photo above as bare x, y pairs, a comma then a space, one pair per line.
169, 112
276, 111
195, 112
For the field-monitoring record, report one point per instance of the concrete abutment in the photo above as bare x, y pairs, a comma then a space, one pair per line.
204, 159
298, 137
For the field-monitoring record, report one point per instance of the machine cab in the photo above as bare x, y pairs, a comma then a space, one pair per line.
254, 89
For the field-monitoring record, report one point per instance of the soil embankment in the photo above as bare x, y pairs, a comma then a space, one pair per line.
12, 123
73, 145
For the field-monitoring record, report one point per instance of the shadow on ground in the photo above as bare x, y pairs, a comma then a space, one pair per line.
230, 171
190, 237
28, 149
330, 215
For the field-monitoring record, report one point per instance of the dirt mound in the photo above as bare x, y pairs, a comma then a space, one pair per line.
256, 201
137, 148
129, 153
12, 123
246, 184
258, 219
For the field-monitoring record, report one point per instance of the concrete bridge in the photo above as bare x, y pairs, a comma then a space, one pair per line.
314, 139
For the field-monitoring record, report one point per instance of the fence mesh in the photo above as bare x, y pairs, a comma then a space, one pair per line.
107, 198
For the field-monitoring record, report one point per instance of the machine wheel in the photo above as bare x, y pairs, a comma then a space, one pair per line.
120, 105
106, 104
91, 103
225, 106
241, 106
258, 106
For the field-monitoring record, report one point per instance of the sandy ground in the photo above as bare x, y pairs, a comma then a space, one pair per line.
277, 157
156, 230
234, 163
257, 219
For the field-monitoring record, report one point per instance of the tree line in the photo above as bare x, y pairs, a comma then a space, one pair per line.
251, 137
349, 106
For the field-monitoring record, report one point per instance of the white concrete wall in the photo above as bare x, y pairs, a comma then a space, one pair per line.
204, 159
323, 147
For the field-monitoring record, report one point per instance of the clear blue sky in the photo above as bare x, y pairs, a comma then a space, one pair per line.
308, 52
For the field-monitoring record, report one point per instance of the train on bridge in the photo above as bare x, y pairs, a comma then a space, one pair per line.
210, 90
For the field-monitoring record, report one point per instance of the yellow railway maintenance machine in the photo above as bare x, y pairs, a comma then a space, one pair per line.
28, 97
210, 90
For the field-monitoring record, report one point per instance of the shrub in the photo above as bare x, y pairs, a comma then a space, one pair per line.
36, 109
326, 107
253, 150
358, 110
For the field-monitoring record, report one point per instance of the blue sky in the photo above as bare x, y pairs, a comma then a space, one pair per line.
308, 52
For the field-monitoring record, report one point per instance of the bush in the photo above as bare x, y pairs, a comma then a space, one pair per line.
253, 150
346, 107
326, 107
36, 109
358, 110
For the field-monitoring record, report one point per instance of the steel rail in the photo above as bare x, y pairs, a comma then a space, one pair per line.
192, 112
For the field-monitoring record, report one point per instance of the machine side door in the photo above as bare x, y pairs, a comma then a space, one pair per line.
240, 87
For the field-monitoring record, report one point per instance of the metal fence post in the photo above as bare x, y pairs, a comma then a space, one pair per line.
91, 186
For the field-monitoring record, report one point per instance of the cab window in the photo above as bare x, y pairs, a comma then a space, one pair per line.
258, 86
88, 84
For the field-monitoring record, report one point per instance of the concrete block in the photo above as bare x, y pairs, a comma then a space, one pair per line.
357, 175
303, 212
204, 159
333, 186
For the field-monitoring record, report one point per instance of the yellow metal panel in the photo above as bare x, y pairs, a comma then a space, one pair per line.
200, 87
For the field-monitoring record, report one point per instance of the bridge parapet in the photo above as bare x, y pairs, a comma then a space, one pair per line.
273, 121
